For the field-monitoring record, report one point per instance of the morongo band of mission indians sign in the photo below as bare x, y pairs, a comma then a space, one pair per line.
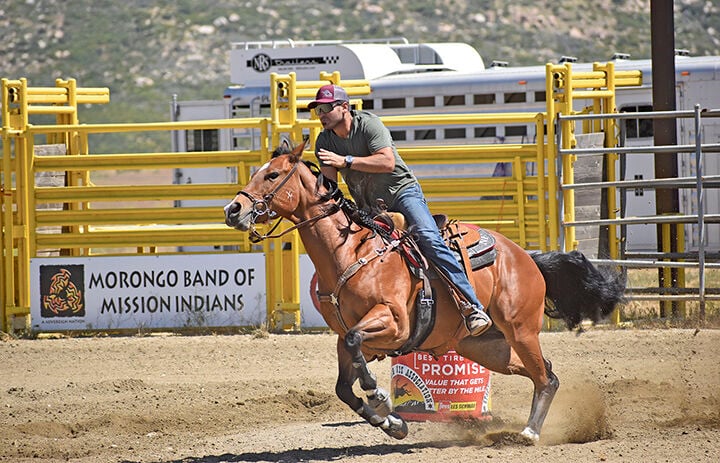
81, 293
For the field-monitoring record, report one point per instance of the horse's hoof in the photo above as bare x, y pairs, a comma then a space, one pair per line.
394, 426
380, 402
530, 436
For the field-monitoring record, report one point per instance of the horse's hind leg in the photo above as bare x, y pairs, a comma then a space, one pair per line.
493, 351
542, 398
525, 342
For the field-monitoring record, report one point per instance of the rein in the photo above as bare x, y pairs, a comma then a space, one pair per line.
256, 237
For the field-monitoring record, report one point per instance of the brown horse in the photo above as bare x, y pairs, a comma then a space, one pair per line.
372, 291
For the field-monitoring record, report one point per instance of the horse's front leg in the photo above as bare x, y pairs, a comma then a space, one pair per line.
378, 399
353, 366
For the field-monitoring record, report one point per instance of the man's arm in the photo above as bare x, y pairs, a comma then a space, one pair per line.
381, 161
329, 172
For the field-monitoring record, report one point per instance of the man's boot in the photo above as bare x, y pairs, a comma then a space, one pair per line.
477, 320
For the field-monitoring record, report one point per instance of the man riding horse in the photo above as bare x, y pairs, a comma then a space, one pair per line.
359, 146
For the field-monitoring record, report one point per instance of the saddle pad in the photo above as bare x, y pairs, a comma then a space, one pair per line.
479, 243
483, 242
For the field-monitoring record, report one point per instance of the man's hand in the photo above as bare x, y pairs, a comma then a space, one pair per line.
331, 159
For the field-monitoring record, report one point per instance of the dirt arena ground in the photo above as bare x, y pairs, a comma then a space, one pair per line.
625, 396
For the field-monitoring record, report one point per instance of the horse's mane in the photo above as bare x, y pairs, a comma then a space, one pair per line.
330, 185
361, 217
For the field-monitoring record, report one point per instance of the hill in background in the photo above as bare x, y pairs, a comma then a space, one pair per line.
146, 52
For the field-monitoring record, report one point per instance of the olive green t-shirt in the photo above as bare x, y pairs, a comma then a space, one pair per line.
367, 135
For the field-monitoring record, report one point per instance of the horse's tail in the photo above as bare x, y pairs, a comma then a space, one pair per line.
578, 290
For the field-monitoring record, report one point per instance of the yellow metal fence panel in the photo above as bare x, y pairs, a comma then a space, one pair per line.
94, 218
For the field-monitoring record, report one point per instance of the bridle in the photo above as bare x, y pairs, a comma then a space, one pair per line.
261, 208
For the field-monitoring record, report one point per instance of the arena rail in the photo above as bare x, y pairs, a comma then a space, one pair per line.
94, 221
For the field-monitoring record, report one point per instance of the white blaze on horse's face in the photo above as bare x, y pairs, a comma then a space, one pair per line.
263, 167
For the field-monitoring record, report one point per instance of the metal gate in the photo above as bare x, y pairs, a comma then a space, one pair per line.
702, 220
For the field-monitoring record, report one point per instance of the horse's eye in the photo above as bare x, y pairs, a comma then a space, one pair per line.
272, 176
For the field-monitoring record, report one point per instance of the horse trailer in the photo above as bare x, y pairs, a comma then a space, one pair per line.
442, 78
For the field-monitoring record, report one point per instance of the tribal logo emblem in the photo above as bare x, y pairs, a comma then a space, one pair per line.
62, 289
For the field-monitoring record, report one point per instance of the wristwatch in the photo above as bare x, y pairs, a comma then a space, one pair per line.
348, 161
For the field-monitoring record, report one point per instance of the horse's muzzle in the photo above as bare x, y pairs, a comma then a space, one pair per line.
235, 218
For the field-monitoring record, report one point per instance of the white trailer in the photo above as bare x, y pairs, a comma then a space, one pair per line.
435, 78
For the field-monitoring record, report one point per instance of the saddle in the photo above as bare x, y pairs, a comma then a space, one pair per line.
473, 247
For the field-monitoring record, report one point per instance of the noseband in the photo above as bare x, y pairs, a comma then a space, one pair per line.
261, 207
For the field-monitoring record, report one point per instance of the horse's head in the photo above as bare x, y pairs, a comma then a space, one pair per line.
272, 191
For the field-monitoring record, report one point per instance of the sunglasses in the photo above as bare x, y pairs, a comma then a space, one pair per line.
326, 107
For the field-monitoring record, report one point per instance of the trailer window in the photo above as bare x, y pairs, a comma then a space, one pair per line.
424, 101
637, 128
484, 98
454, 100
455, 133
515, 131
391, 103
485, 132
398, 135
202, 140
368, 104
428, 134
540, 96
515, 97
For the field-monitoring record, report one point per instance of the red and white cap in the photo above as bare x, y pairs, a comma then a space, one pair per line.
329, 94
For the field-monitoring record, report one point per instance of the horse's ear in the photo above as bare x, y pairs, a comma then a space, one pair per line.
297, 151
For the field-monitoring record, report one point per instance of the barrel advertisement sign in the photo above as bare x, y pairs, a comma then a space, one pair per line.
443, 389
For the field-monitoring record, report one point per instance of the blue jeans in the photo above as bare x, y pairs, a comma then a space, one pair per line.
411, 203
